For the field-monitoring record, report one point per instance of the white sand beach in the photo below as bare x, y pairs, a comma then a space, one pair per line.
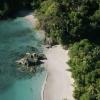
59, 80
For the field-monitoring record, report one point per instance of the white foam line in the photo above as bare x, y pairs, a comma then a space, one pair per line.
43, 86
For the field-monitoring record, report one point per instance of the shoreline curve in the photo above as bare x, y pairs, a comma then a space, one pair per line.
43, 86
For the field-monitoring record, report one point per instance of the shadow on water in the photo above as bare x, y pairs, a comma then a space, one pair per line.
16, 38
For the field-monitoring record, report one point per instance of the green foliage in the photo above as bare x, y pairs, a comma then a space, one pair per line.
53, 20
70, 20
85, 67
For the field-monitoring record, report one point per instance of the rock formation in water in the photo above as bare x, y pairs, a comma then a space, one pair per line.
30, 61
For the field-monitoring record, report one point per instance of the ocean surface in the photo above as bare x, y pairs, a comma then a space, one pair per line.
17, 37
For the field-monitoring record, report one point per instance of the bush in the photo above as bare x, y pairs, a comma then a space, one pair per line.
85, 67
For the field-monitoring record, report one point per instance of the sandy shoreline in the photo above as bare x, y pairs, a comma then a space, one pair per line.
34, 21
58, 81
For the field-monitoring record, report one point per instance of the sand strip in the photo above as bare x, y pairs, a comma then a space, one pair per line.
59, 80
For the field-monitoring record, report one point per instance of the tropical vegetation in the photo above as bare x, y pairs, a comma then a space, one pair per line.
75, 23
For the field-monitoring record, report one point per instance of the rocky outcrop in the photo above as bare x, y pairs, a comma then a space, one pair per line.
30, 60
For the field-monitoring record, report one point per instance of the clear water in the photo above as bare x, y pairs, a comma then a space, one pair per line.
16, 38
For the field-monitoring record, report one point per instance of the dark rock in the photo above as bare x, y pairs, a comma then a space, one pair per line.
42, 57
30, 61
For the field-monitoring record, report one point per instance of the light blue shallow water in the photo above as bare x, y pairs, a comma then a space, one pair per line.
16, 38
29, 89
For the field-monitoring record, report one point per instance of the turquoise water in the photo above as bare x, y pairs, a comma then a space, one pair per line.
16, 38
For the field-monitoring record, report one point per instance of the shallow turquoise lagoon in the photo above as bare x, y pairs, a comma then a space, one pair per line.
16, 38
